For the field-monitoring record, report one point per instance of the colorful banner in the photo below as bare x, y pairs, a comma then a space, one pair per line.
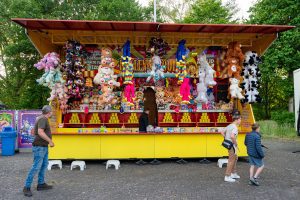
26, 121
7, 118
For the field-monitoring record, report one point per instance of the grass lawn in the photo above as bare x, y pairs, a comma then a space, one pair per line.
270, 129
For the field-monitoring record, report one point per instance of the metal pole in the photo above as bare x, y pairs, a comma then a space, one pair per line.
154, 10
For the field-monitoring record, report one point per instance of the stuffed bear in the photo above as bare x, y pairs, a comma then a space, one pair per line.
234, 90
176, 99
106, 69
234, 61
160, 96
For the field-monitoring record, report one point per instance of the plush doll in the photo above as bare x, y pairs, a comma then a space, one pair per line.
51, 65
106, 95
176, 97
234, 60
251, 75
234, 90
201, 90
160, 96
157, 71
73, 69
234, 50
181, 55
159, 45
127, 66
105, 73
185, 91
168, 96
233, 68
192, 67
206, 72
129, 94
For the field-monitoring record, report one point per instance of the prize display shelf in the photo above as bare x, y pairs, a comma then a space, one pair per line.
129, 119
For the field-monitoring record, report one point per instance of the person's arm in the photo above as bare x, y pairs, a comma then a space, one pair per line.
258, 147
233, 139
45, 137
223, 132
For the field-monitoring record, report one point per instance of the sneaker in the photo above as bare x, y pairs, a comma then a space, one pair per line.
235, 176
44, 186
229, 179
27, 192
254, 181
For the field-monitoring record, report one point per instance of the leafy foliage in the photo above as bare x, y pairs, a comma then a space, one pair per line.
283, 56
211, 12
18, 87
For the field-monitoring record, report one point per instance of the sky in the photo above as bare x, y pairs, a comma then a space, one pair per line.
243, 5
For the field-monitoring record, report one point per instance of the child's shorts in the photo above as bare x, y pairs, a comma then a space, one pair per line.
256, 161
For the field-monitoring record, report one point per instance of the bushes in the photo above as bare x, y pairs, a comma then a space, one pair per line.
271, 129
283, 117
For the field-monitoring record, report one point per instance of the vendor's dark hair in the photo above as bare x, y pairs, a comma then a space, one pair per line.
236, 117
255, 126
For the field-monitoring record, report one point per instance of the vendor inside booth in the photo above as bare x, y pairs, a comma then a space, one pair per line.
191, 77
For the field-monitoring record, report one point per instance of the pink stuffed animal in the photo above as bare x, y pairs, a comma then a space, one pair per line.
185, 89
129, 93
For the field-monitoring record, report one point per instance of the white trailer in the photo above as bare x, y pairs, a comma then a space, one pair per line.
297, 98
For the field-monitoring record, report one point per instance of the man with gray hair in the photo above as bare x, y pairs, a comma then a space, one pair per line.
43, 138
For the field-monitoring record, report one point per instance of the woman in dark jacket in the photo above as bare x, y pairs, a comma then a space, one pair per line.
143, 121
255, 153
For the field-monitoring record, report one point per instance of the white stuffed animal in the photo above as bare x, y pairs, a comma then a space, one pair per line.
201, 87
209, 71
234, 89
157, 71
209, 78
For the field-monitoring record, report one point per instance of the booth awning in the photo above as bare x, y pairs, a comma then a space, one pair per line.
49, 35
89, 25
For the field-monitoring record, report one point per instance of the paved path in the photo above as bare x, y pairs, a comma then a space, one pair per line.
169, 180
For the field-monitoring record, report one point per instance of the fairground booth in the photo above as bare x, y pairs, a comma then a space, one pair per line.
191, 77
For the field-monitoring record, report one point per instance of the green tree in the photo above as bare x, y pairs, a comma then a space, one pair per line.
19, 89
283, 56
211, 12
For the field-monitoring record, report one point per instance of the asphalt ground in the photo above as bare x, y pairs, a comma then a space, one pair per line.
168, 180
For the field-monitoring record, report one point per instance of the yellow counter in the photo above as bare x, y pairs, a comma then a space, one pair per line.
140, 145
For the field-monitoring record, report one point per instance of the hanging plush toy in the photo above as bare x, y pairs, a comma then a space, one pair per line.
51, 64
157, 71
234, 90
73, 69
201, 87
185, 91
209, 72
127, 66
181, 55
52, 78
158, 48
129, 94
251, 75
234, 60
105, 73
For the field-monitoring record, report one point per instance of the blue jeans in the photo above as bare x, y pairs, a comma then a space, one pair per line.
40, 163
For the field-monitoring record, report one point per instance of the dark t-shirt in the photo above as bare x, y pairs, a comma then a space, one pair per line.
42, 123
